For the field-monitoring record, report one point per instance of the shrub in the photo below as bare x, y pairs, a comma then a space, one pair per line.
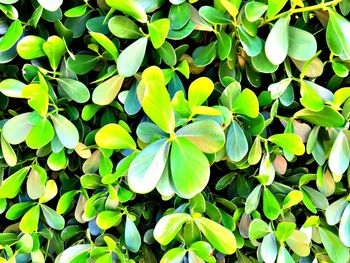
174, 131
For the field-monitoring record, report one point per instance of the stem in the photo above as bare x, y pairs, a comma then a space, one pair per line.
300, 10
47, 248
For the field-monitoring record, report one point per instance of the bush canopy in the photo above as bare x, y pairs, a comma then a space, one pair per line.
174, 131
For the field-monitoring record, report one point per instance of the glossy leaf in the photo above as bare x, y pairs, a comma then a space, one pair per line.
13, 33
54, 48
134, 53
189, 168
132, 236
132, 8
114, 136
156, 100
277, 42
30, 47
207, 135
107, 91
148, 166
220, 237
168, 226
65, 131
289, 142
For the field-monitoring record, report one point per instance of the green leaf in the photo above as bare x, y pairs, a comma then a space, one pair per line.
294, 197
236, 142
271, 206
20, 124
231, 6
254, 10
124, 27
82, 64
204, 55
203, 250
284, 230
335, 210
76, 11
148, 166
224, 44
253, 200
317, 198
179, 15
156, 99
57, 161
268, 248
309, 97
220, 237
75, 90
289, 142
312, 68
197, 203
277, 89
344, 227
36, 182
199, 91
327, 117
11, 186
213, 16
168, 226
107, 91
284, 256
30, 220
30, 47
255, 152
258, 229
339, 155
302, 44
65, 201
207, 135
54, 49
50, 191
132, 8
53, 219
10, 11
274, 6
167, 53
12, 88
40, 134
262, 64
158, 31
13, 33
251, 44
340, 69
106, 43
38, 98
73, 253
337, 34
50, 5
25, 244
65, 131
8, 152
132, 236
114, 136
334, 247
189, 168
340, 96
174, 255
276, 46
107, 219
130, 59
246, 103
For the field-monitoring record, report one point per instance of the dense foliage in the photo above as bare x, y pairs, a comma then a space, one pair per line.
174, 131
